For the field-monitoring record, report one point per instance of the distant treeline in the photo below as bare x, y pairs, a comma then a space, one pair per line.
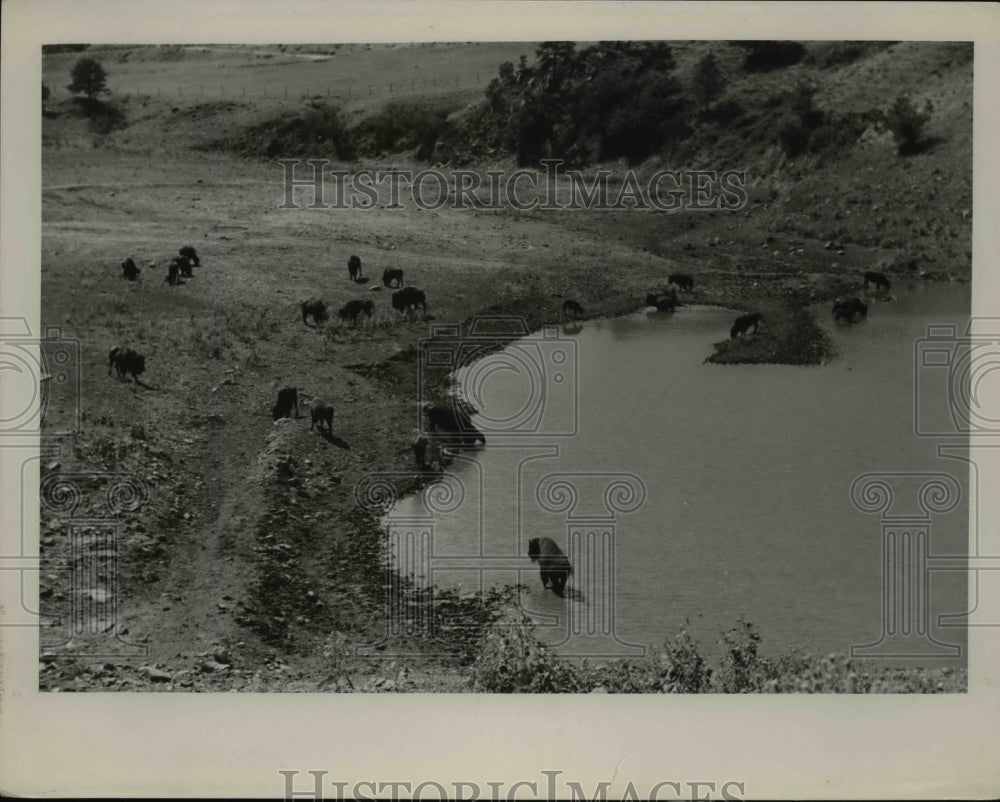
614, 100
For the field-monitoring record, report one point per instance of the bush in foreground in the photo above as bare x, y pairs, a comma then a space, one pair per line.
511, 660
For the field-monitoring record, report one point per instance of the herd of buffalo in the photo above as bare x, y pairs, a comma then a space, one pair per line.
450, 421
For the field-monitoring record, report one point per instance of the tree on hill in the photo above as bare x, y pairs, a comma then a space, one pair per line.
707, 80
89, 77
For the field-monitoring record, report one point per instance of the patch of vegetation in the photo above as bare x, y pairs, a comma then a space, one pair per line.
319, 132
788, 335
607, 101
511, 660
404, 125
102, 117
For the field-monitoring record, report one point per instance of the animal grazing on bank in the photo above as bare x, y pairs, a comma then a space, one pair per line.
354, 268
126, 361
129, 270
555, 566
664, 301
847, 308
183, 265
454, 419
408, 299
352, 309
288, 400
392, 277
572, 309
173, 269
878, 279
321, 412
314, 307
682, 280
744, 322
188, 253
419, 445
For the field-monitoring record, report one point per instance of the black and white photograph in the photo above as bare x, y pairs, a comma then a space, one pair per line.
556, 370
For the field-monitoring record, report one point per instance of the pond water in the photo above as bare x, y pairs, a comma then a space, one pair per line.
689, 491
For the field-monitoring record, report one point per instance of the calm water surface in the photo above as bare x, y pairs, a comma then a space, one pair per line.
743, 474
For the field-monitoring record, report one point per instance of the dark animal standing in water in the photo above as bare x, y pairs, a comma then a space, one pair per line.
682, 280
321, 412
408, 299
188, 253
288, 400
129, 270
878, 279
392, 277
572, 309
453, 419
555, 566
126, 361
744, 322
664, 302
313, 307
354, 268
352, 309
172, 270
846, 308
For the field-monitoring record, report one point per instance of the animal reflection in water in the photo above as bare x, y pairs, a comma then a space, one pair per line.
663, 301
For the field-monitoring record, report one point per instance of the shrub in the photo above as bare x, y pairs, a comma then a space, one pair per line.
906, 122
510, 660
742, 668
403, 125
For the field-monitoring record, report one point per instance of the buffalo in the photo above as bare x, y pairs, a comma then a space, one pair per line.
288, 400
188, 253
408, 299
392, 277
682, 280
129, 270
454, 419
314, 307
554, 566
352, 309
744, 322
878, 279
126, 361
